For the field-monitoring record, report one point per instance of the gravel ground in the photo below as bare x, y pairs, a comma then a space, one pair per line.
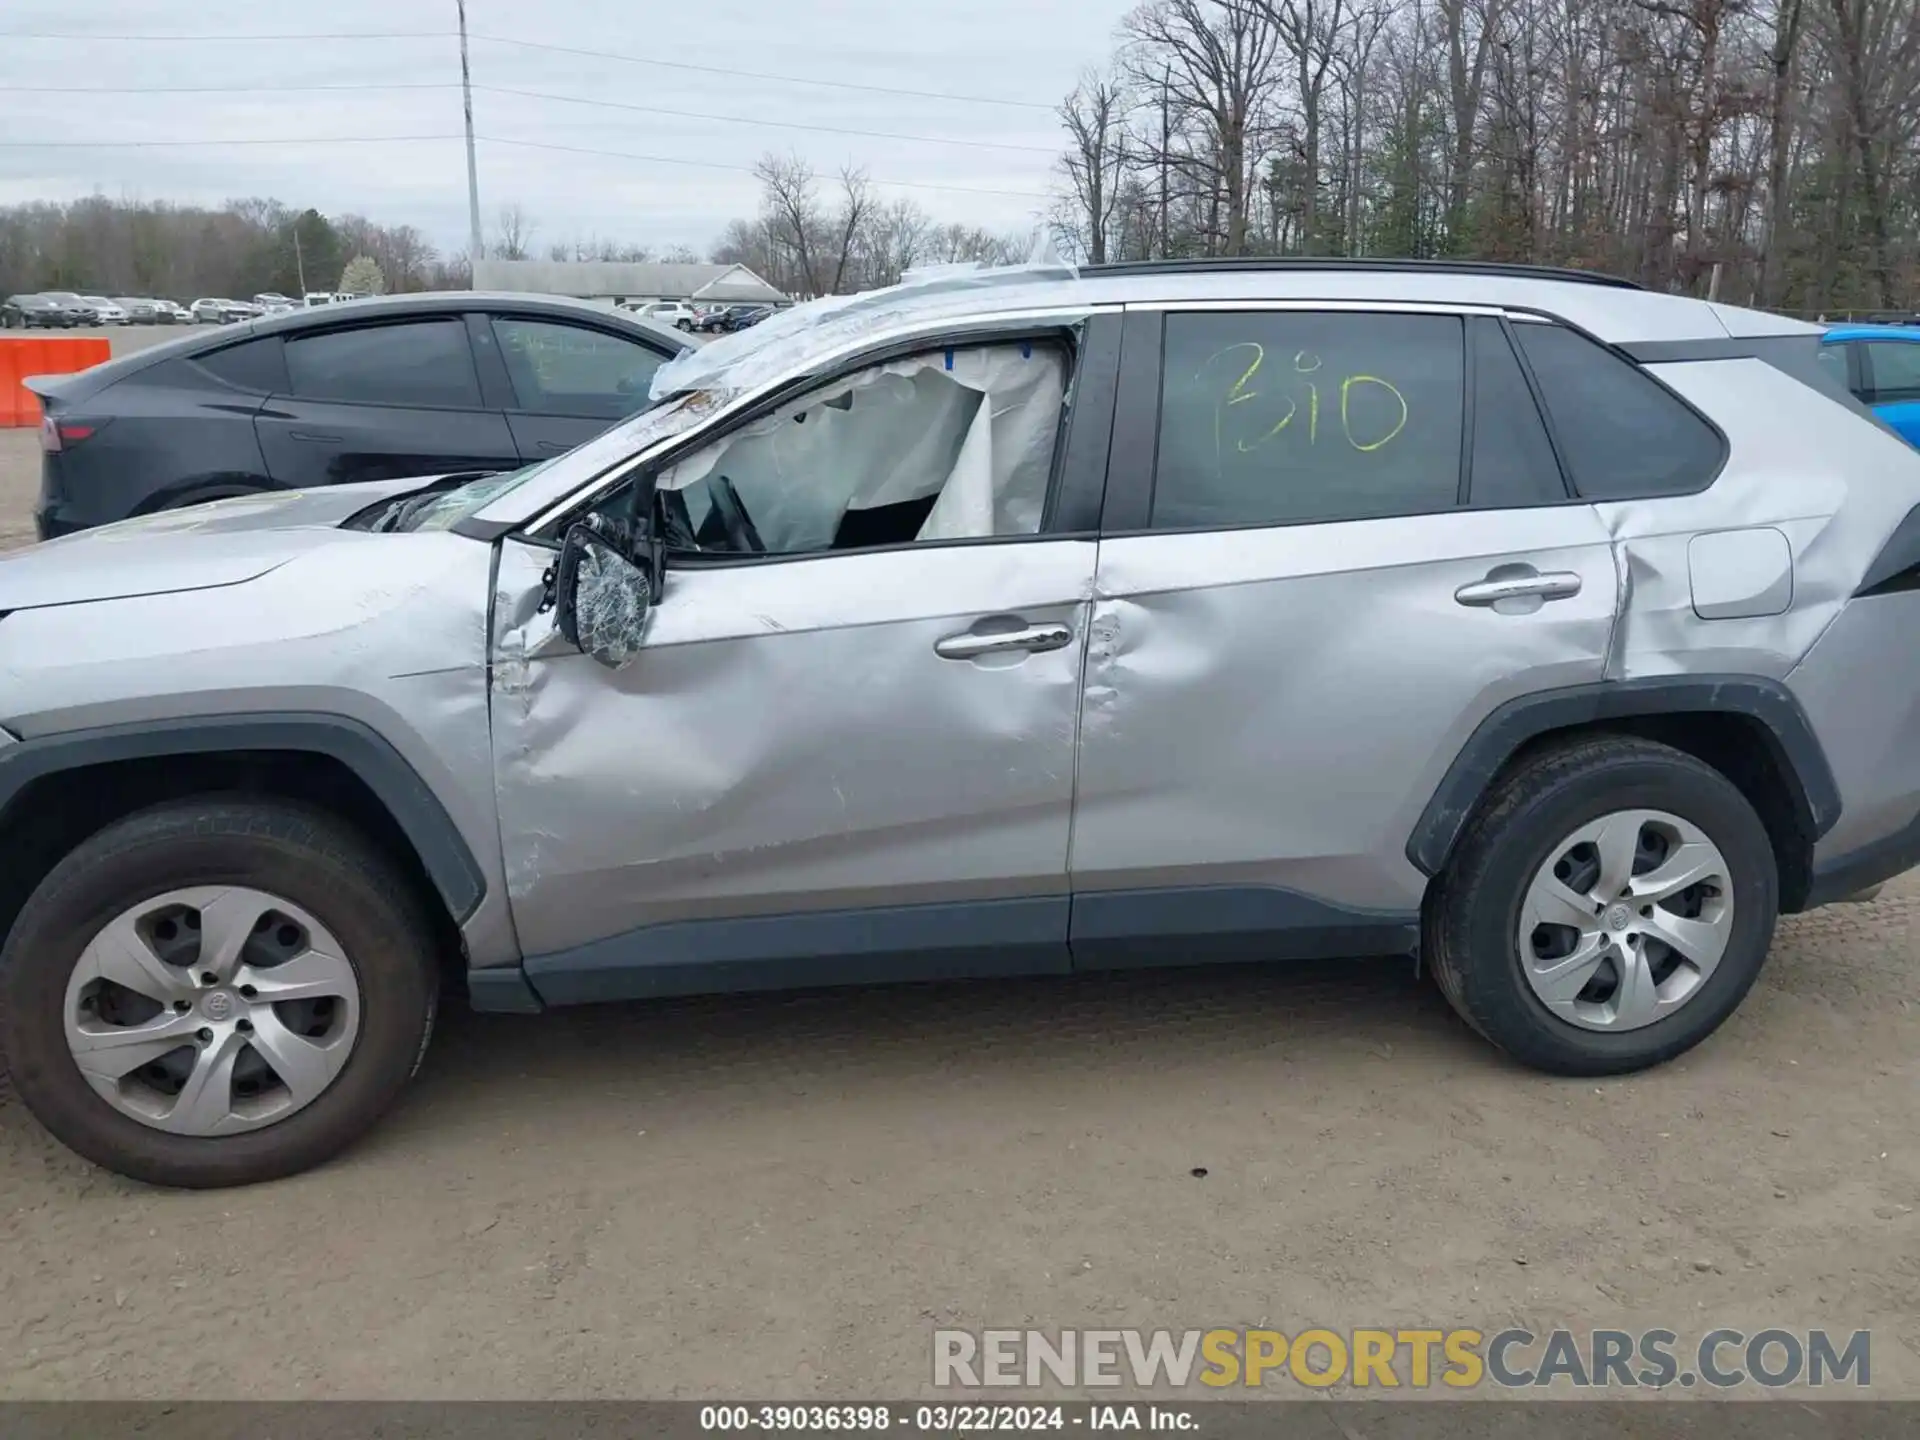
784, 1196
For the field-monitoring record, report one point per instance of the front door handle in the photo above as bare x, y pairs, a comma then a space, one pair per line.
973, 644
1530, 585
313, 437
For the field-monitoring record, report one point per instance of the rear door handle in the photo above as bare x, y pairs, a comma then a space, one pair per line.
1553, 585
972, 644
313, 435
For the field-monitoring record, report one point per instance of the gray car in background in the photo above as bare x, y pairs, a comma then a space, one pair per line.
1005, 623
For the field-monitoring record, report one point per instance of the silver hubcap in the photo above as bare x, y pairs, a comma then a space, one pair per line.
212, 1010
1626, 920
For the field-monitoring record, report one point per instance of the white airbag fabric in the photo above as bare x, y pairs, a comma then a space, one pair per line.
974, 427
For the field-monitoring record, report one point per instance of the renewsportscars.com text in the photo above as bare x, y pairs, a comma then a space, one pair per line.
1402, 1358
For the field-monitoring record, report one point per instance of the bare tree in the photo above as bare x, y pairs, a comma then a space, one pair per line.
512, 233
791, 212
1095, 163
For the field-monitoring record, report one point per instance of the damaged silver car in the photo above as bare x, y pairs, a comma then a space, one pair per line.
1004, 623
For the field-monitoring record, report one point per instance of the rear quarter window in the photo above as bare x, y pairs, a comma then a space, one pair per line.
1621, 434
257, 365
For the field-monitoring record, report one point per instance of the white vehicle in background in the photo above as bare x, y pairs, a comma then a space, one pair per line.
213, 311
105, 312
274, 303
170, 312
665, 312
329, 297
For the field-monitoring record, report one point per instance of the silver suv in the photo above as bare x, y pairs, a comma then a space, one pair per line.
1556, 632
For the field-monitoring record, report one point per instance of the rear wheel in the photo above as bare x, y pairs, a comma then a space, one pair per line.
1608, 907
216, 992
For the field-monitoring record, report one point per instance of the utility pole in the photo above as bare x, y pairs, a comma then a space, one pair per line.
475, 245
299, 264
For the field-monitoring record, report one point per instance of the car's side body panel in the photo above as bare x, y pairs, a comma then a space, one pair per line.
787, 740
382, 632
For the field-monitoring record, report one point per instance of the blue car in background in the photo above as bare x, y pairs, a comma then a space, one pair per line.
1881, 366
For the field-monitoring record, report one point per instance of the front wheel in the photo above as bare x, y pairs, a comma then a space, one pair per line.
1607, 909
216, 992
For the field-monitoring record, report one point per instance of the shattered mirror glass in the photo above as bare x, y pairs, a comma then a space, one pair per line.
604, 599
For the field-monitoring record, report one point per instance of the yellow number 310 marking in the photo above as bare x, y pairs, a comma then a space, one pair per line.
1306, 363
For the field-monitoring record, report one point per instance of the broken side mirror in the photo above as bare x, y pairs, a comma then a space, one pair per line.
601, 592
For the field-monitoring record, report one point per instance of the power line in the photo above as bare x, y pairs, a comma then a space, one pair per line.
206, 39
557, 50
745, 169
244, 140
224, 89
763, 75
777, 124
529, 95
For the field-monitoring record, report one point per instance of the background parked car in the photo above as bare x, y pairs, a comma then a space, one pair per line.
681, 316
171, 312
213, 311
272, 302
139, 311
409, 385
1882, 368
105, 311
36, 312
77, 310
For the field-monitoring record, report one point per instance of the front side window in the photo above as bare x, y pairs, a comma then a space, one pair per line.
560, 369
952, 445
1297, 417
420, 362
1895, 366
1622, 434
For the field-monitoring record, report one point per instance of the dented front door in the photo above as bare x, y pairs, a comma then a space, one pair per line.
840, 733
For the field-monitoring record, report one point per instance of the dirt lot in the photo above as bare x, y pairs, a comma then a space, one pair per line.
785, 1196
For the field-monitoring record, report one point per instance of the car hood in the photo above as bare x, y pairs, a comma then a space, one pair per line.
224, 542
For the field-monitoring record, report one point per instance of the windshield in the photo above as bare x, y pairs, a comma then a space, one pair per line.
600, 454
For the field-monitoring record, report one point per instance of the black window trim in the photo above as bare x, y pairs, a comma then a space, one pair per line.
383, 323
1081, 341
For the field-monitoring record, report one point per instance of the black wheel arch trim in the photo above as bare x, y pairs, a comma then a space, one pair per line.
1498, 737
443, 852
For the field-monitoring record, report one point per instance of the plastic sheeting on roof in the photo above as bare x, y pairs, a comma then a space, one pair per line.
748, 358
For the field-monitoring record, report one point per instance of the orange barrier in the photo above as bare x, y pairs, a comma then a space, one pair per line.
41, 355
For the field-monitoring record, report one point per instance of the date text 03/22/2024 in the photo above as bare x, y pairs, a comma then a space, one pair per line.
945, 1418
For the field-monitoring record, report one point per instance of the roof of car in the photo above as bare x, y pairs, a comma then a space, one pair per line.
1612, 310
1840, 333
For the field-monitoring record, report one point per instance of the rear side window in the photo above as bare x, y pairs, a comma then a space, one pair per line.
423, 362
1895, 370
256, 365
1513, 461
1621, 433
1293, 417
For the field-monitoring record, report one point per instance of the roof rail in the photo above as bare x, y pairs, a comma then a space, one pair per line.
1367, 263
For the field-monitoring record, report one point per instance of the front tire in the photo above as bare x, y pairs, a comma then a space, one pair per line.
1561, 928
217, 992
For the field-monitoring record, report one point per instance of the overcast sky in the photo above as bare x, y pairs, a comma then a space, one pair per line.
998, 50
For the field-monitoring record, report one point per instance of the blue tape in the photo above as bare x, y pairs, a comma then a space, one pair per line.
1026, 349
949, 359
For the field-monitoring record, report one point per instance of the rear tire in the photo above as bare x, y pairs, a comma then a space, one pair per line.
310, 866
1494, 974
